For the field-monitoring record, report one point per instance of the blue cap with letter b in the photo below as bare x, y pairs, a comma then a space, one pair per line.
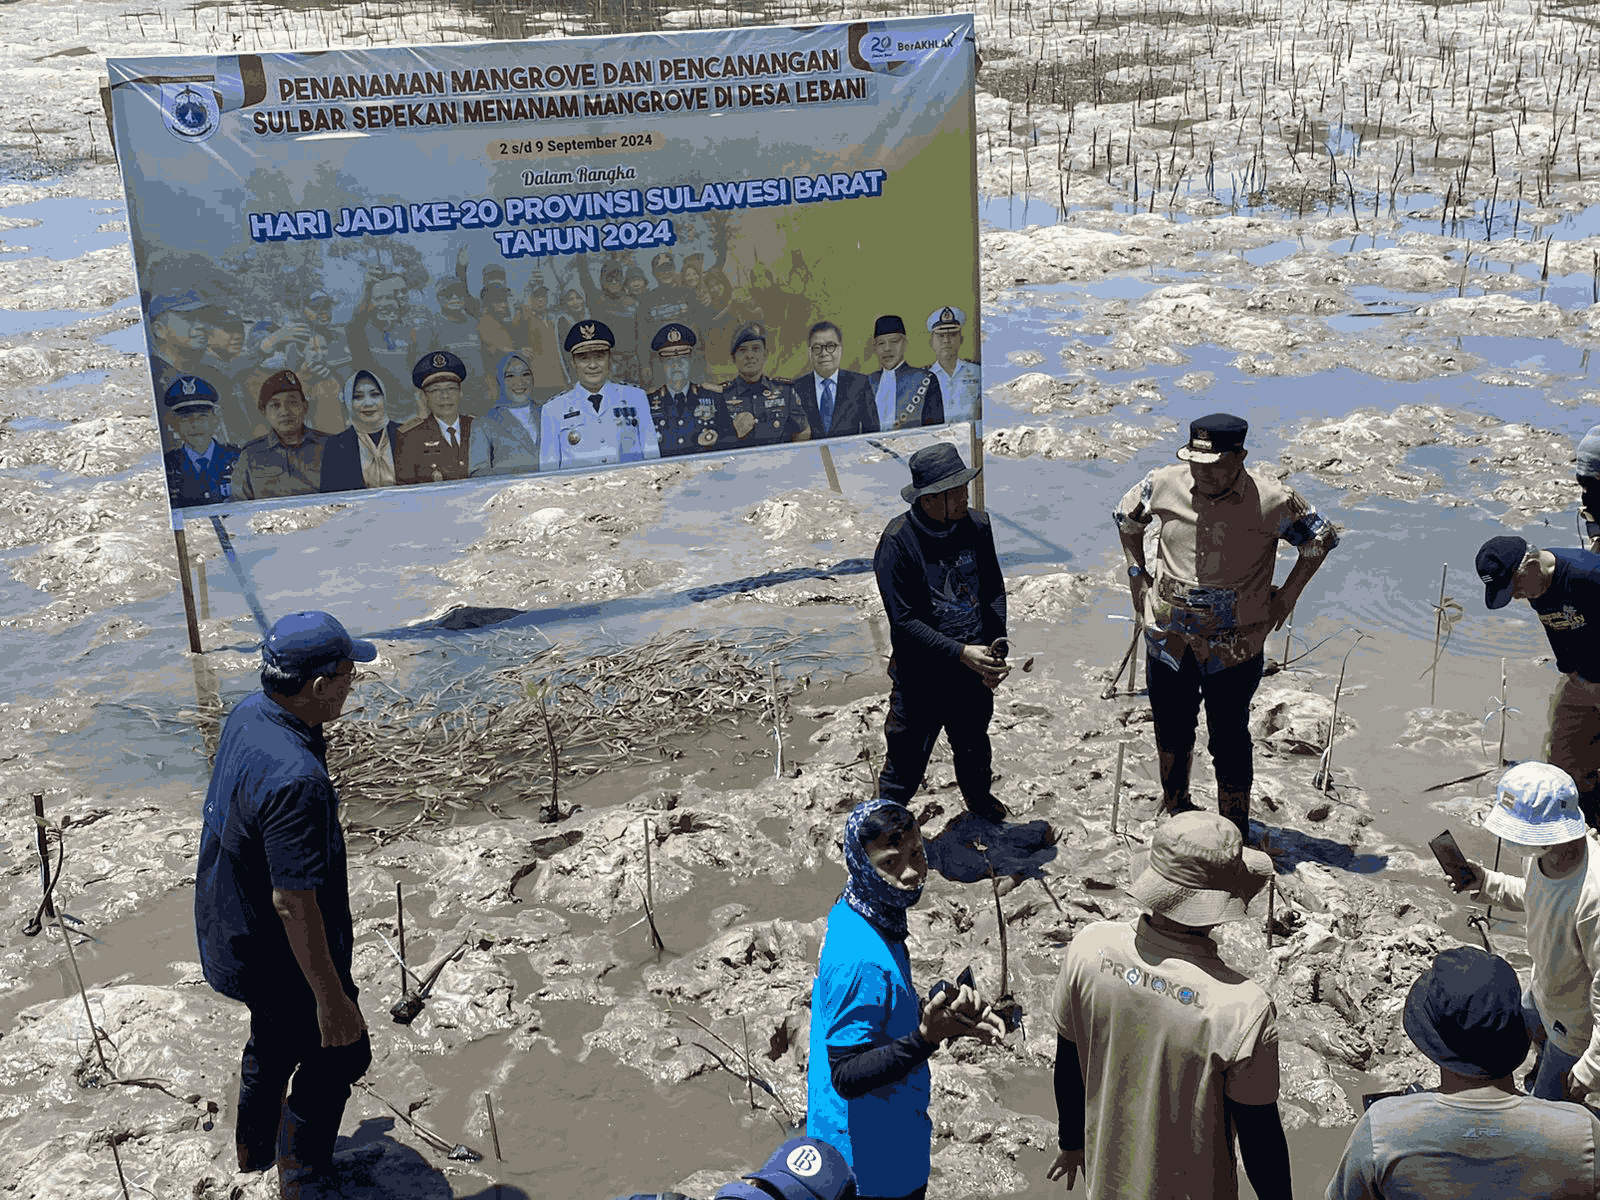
802, 1168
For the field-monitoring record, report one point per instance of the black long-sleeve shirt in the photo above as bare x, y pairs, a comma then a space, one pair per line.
942, 589
857, 1070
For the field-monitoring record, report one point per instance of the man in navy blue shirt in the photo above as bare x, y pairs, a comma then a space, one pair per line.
272, 903
1563, 588
945, 598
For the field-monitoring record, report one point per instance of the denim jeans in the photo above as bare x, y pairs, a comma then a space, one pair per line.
286, 1042
1553, 1062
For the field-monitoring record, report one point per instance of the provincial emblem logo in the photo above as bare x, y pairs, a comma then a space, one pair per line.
191, 113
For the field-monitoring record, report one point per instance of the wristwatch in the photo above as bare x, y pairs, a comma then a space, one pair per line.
1135, 571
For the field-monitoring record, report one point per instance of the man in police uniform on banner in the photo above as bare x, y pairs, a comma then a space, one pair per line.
959, 380
198, 470
763, 410
689, 417
433, 448
596, 422
907, 396
287, 459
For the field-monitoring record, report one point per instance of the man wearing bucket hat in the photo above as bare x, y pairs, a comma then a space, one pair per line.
1208, 611
1536, 811
1162, 1049
945, 598
1563, 589
1475, 1137
272, 903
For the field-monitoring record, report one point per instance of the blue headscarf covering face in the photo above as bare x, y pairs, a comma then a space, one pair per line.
500, 372
866, 890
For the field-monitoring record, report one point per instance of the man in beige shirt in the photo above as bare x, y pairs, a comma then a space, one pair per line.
1207, 615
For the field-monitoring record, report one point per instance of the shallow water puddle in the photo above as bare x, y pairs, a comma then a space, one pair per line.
68, 227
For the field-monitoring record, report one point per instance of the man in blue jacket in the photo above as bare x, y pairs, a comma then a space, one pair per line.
945, 598
1563, 589
272, 904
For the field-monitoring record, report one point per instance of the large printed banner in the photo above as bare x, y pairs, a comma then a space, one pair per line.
412, 265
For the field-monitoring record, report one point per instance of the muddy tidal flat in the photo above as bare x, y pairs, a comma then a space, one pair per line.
1371, 228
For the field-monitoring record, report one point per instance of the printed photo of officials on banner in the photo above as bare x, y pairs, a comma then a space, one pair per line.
784, 249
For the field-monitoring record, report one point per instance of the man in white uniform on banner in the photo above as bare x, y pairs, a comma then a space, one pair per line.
596, 422
958, 378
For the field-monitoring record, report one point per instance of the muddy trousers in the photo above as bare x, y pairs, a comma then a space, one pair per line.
1175, 699
1574, 740
285, 1043
961, 704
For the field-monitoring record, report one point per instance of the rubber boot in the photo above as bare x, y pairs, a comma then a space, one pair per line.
257, 1157
305, 1158
1175, 782
1234, 804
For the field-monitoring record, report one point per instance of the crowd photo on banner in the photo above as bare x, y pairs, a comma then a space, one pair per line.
407, 384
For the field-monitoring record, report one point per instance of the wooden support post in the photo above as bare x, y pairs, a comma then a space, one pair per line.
44, 852
187, 586
827, 465
977, 457
203, 586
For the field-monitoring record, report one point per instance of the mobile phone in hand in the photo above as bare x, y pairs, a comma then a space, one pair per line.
1452, 860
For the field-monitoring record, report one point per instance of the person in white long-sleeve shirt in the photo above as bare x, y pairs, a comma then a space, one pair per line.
596, 422
1536, 812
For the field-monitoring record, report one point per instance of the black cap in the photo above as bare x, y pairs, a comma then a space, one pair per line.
1498, 560
439, 364
936, 468
889, 324
589, 335
1212, 437
755, 331
1465, 1013
673, 339
188, 392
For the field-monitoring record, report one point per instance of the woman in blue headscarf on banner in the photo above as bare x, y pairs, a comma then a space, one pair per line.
506, 440
867, 1081
362, 454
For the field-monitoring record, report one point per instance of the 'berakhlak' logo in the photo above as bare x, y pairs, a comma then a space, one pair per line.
190, 111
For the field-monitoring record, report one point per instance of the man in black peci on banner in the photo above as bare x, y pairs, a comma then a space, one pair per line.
940, 580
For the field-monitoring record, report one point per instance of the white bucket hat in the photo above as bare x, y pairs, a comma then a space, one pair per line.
1536, 804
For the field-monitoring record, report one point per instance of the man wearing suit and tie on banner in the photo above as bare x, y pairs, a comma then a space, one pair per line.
959, 380
836, 402
434, 448
596, 422
907, 397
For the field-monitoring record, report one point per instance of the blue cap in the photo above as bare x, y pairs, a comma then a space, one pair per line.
439, 364
673, 339
1499, 559
182, 302
946, 318
802, 1168
754, 331
589, 335
303, 641
189, 392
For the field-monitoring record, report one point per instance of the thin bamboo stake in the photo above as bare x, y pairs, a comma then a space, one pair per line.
494, 1130
1116, 788
749, 1067
1438, 628
400, 933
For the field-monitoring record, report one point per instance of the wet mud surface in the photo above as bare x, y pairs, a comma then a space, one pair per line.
1388, 269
